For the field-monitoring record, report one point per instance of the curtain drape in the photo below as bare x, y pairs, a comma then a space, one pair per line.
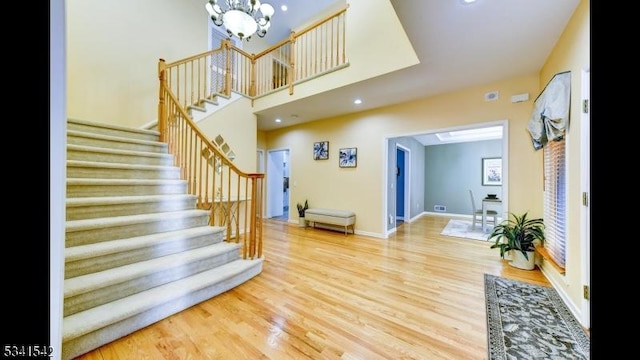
550, 118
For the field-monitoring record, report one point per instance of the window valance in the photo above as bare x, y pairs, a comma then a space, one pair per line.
550, 117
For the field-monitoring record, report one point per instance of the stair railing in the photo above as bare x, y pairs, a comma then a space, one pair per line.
232, 196
316, 50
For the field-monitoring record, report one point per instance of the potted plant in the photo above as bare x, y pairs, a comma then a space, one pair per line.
518, 236
301, 210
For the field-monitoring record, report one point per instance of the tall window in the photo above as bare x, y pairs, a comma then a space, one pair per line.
555, 200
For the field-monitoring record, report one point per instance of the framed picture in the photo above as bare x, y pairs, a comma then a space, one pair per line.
491, 171
348, 157
321, 150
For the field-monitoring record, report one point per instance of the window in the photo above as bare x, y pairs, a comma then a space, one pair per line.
555, 200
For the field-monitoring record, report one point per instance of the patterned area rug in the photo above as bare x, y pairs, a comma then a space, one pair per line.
462, 229
527, 321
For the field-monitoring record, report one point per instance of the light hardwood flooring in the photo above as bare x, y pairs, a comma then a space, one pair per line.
326, 295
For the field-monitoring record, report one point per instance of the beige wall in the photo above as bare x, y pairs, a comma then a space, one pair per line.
236, 123
361, 189
572, 53
113, 48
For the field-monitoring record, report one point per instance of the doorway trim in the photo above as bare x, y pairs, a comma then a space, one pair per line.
273, 196
407, 183
387, 165
585, 185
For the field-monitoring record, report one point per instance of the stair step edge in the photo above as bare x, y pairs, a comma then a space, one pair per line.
113, 127
108, 165
98, 223
111, 200
98, 136
113, 151
81, 252
88, 282
101, 316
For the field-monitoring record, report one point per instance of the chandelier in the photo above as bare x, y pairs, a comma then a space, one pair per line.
241, 18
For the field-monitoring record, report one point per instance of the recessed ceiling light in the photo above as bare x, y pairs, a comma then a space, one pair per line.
357, 101
278, 120
467, 2
284, 7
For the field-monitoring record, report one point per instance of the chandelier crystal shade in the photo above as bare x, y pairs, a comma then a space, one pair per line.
241, 18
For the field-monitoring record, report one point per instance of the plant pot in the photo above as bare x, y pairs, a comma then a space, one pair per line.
302, 222
508, 255
518, 260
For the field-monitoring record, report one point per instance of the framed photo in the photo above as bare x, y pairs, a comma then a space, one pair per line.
348, 157
321, 150
491, 171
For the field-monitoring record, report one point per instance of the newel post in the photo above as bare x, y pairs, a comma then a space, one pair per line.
227, 72
162, 118
292, 60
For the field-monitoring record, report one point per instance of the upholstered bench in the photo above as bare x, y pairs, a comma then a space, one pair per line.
332, 217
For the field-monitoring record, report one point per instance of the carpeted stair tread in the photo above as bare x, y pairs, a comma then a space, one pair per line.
107, 200
99, 136
96, 127
86, 283
125, 182
80, 252
109, 165
86, 224
101, 316
97, 149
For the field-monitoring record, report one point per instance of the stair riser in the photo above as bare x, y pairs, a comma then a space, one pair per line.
87, 342
111, 132
84, 155
84, 190
130, 256
92, 236
114, 144
114, 292
97, 211
115, 173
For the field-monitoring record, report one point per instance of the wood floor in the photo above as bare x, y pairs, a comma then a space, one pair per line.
326, 295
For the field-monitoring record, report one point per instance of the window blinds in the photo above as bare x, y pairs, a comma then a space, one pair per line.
555, 200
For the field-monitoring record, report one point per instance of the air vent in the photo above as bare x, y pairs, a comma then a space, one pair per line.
439, 208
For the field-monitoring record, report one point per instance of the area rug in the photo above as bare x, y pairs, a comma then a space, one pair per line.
526, 321
462, 229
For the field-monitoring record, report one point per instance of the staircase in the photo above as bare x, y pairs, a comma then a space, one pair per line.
137, 249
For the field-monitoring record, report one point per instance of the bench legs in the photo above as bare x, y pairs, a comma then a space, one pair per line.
346, 228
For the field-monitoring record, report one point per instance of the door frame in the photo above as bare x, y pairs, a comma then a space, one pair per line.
274, 197
407, 183
585, 185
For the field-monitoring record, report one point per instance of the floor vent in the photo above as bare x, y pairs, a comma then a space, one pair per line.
440, 208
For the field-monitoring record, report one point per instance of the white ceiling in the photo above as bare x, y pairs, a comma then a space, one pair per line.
458, 46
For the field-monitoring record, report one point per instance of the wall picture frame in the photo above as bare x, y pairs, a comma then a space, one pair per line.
321, 150
348, 157
492, 171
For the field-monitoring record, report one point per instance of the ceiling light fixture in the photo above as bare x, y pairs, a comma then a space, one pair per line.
357, 101
241, 18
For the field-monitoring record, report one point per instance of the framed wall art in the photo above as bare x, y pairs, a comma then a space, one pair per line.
321, 150
348, 157
491, 171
